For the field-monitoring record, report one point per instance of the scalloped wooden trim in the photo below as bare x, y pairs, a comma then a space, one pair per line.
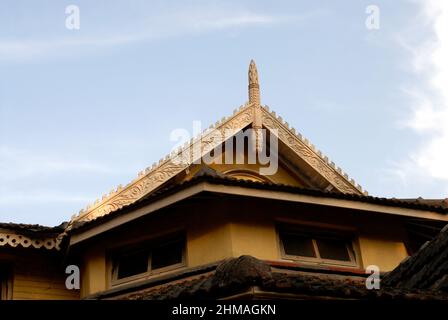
15, 240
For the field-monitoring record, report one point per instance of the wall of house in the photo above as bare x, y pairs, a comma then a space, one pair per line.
215, 232
384, 253
208, 240
257, 239
261, 240
94, 271
37, 274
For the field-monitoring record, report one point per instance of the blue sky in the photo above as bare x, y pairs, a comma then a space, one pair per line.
82, 111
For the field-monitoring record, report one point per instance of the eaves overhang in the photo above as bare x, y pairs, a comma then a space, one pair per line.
236, 187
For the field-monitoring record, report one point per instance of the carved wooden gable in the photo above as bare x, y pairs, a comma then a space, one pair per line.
296, 148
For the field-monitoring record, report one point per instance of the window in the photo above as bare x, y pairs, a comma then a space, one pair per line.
167, 254
317, 246
147, 259
132, 264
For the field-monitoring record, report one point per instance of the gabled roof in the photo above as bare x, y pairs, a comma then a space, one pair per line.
249, 114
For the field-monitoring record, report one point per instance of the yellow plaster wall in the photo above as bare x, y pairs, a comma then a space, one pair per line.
93, 272
378, 241
282, 176
260, 240
256, 239
208, 245
213, 236
208, 240
385, 253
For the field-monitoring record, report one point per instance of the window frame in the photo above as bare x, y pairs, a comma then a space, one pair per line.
148, 247
315, 233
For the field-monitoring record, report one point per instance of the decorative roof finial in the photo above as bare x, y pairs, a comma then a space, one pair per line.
254, 87
254, 100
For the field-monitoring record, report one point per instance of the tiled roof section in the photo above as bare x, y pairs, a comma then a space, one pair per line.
236, 276
443, 203
31, 236
426, 269
35, 229
206, 174
212, 176
433, 205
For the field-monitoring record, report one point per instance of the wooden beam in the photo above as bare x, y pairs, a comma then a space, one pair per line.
327, 201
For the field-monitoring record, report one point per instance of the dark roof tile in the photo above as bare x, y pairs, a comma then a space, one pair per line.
206, 174
426, 269
235, 276
33, 228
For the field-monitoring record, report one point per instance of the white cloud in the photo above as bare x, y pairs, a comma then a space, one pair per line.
429, 113
184, 22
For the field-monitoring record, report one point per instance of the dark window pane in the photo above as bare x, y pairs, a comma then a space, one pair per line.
297, 245
333, 249
132, 264
167, 254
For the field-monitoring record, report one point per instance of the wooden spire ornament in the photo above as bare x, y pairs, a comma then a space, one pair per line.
254, 100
